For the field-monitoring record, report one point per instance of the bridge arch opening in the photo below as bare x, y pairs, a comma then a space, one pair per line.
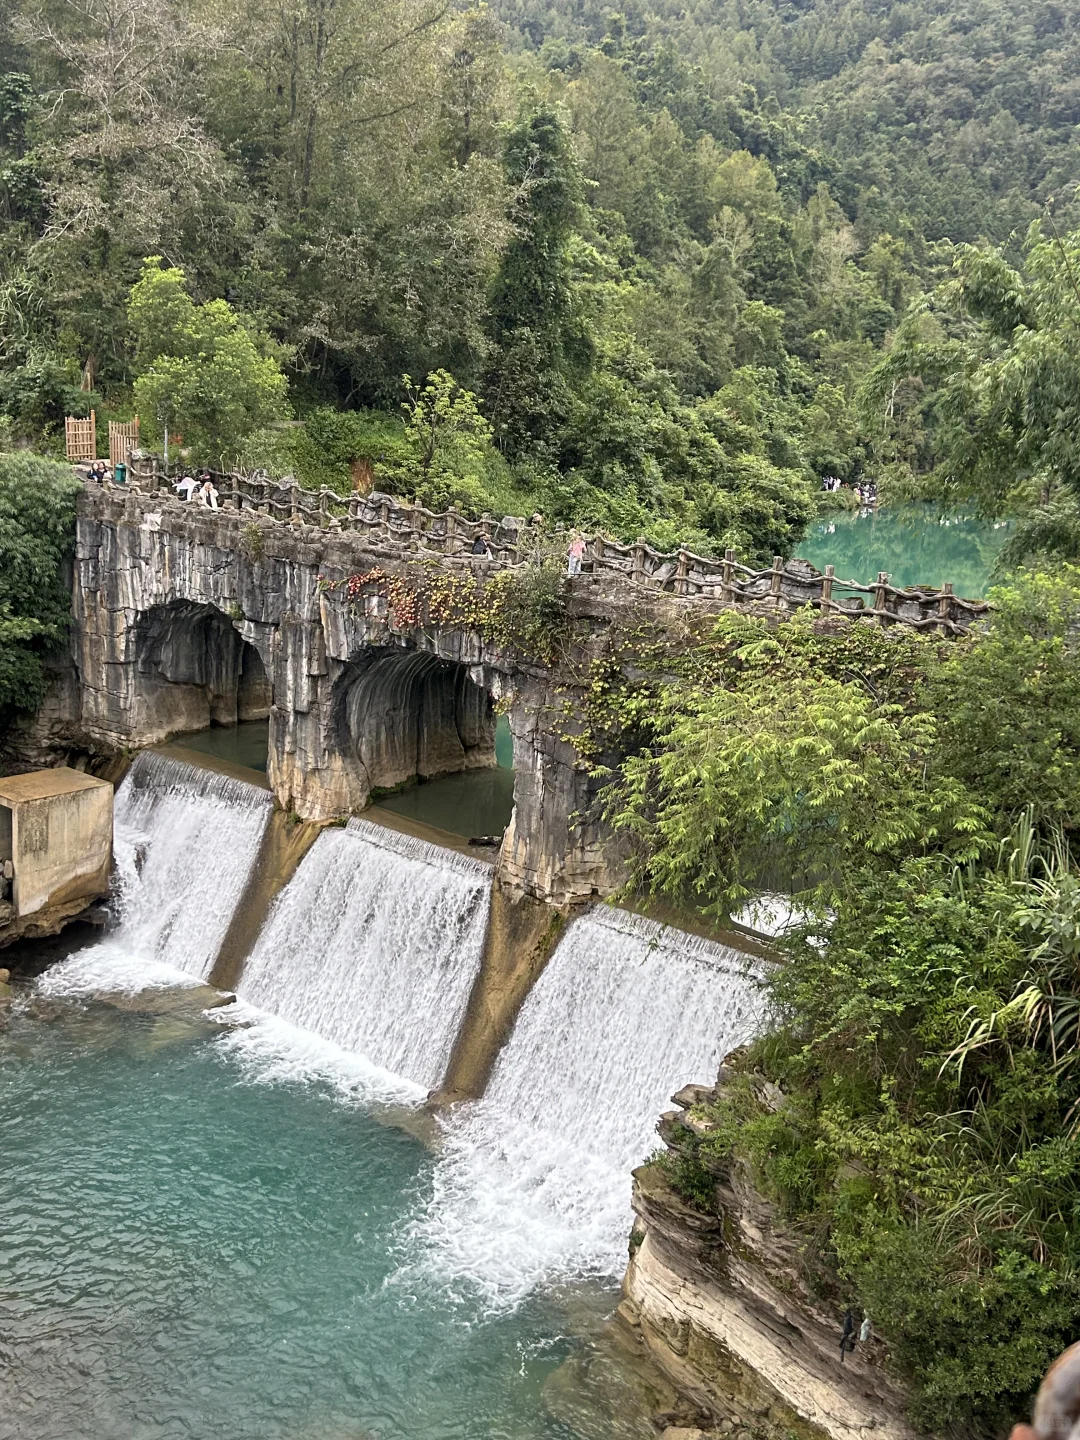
196, 670
407, 717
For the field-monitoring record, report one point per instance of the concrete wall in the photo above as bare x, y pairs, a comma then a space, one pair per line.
61, 848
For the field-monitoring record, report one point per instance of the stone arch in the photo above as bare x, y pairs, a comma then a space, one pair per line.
404, 715
194, 669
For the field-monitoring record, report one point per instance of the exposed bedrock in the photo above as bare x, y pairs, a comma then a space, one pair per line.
728, 1306
184, 617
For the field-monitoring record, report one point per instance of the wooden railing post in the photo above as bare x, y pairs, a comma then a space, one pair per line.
945, 604
294, 503
776, 579
681, 571
639, 560
384, 517
598, 553
880, 608
826, 590
450, 540
727, 589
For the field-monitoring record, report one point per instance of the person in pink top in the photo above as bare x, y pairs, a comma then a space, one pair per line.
574, 554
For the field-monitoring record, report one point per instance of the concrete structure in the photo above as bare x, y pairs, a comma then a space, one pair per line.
56, 837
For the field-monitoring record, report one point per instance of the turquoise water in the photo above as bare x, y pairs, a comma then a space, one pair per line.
915, 544
193, 1249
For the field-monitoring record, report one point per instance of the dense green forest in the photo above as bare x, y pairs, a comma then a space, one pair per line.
632, 267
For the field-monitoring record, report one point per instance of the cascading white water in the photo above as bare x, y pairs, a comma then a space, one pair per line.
374, 944
534, 1181
185, 840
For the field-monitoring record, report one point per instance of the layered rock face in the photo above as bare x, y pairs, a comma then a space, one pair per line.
184, 616
726, 1306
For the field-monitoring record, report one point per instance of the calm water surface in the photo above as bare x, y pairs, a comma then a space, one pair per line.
194, 1248
915, 544
243, 744
473, 803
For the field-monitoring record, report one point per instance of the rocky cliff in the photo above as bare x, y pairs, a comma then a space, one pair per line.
732, 1306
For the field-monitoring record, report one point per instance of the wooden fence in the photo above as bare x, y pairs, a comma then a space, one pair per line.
80, 438
784, 586
123, 438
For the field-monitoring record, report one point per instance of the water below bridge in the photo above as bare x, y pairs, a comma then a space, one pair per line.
472, 803
225, 1225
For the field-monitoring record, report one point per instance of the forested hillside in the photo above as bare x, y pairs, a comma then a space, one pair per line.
632, 268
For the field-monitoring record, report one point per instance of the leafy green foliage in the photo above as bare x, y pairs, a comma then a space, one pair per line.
787, 747
37, 538
922, 796
201, 371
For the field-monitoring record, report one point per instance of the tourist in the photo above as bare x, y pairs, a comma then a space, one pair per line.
574, 554
184, 487
99, 471
208, 491
480, 546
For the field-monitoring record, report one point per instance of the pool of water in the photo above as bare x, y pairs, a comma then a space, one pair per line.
243, 744
915, 544
472, 803
204, 1240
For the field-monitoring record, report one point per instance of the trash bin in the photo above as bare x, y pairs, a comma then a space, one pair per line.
120, 474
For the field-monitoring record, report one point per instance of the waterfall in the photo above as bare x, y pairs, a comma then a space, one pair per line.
185, 840
534, 1180
374, 945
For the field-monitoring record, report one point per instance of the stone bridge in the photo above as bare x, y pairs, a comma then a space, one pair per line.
184, 616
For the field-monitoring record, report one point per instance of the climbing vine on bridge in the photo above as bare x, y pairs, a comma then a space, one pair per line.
521, 609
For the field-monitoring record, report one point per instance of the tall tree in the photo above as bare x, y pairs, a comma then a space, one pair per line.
532, 301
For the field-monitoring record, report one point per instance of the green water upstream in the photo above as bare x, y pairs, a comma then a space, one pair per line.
190, 1252
915, 544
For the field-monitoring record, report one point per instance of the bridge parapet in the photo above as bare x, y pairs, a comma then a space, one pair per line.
785, 586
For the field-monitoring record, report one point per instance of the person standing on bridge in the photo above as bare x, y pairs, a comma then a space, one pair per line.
184, 487
481, 548
574, 554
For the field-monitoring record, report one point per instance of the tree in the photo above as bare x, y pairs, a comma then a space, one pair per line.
996, 352
450, 440
532, 299
202, 371
37, 538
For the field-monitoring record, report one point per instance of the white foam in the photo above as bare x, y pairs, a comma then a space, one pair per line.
109, 967
269, 1051
534, 1181
374, 944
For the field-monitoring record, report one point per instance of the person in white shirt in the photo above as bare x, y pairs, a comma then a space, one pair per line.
184, 487
209, 494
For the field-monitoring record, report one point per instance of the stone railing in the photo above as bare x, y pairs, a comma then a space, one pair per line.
784, 586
